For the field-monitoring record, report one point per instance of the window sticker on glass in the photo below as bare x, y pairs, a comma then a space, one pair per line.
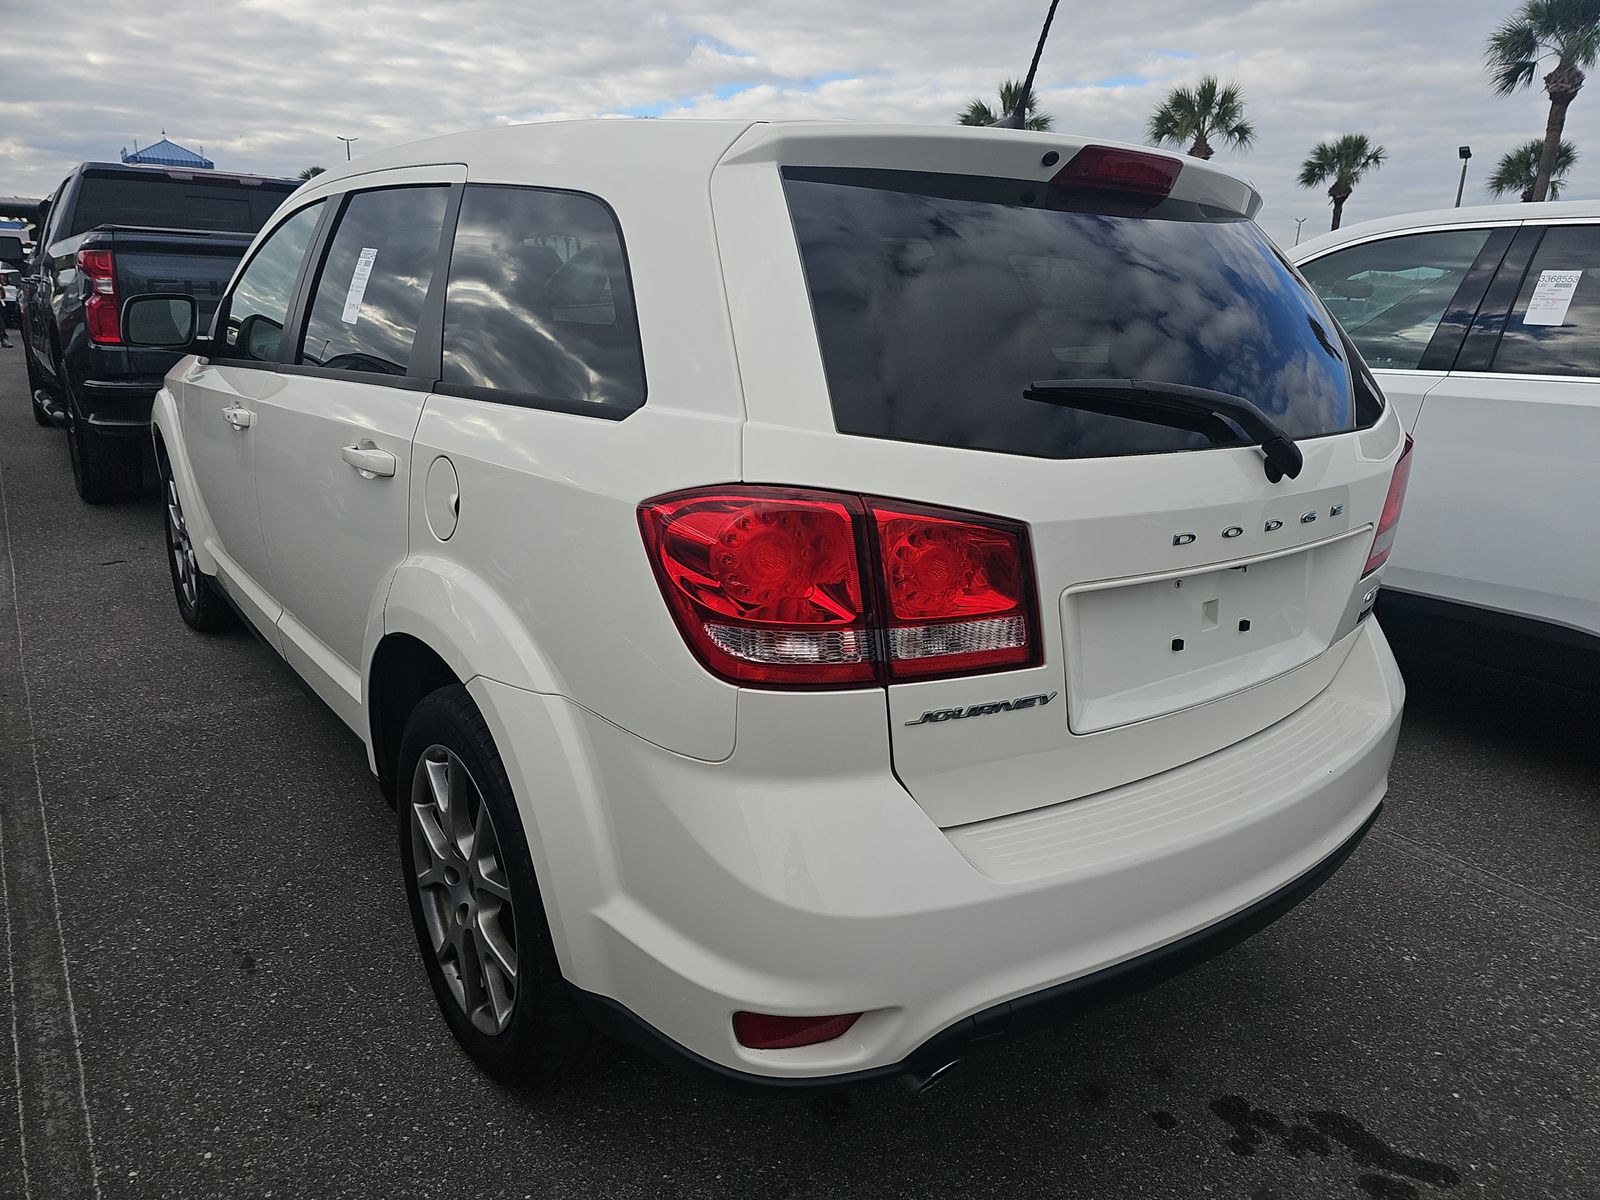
1552, 295
358, 285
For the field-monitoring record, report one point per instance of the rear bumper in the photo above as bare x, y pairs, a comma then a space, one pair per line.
1050, 1006
799, 877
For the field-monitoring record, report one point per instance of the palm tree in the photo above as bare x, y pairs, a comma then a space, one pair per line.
1566, 30
1343, 161
311, 173
1519, 170
1198, 114
979, 112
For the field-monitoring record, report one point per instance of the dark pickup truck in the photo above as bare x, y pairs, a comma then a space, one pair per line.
112, 232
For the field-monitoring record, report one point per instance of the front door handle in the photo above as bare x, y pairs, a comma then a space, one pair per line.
369, 460
239, 418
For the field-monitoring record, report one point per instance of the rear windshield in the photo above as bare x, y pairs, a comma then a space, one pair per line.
940, 298
159, 201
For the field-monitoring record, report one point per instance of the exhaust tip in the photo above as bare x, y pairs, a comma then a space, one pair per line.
918, 1082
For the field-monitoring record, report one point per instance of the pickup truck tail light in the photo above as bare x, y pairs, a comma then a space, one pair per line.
101, 310
792, 588
1389, 520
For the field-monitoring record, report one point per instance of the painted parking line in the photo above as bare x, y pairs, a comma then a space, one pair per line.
52, 1110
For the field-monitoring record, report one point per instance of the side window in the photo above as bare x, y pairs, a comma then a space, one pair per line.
369, 296
260, 302
539, 305
1391, 295
1554, 327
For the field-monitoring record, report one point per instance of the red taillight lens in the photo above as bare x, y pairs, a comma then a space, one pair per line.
790, 588
957, 591
101, 311
765, 583
760, 1031
1112, 169
1383, 539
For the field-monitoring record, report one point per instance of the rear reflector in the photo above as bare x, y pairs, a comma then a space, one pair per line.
1389, 520
760, 1031
782, 587
1113, 169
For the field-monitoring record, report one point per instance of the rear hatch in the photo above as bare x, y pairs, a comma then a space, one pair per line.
1186, 599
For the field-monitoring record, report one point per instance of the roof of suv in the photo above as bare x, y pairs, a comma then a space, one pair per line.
1472, 215
702, 144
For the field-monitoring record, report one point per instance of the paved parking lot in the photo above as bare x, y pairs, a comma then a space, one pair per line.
197, 846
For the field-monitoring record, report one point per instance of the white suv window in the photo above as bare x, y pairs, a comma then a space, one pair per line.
374, 281
1391, 295
539, 308
1563, 335
260, 302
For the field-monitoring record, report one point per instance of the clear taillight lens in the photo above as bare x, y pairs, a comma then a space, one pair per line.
1389, 520
784, 587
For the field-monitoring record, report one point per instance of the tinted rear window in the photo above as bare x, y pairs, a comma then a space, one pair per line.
159, 201
939, 298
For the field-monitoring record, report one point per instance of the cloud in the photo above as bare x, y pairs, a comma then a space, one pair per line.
265, 85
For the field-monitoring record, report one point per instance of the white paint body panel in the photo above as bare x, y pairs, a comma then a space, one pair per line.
704, 848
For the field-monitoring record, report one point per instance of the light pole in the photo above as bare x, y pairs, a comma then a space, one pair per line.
1465, 152
1298, 221
347, 142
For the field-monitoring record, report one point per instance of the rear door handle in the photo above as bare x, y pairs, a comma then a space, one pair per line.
368, 459
239, 418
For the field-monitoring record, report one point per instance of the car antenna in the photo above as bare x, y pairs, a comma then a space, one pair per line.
1019, 111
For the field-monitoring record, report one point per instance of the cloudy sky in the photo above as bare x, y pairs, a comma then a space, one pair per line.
265, 85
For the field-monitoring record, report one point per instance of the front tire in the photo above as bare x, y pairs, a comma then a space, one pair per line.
199, 603
35, 384
474, 900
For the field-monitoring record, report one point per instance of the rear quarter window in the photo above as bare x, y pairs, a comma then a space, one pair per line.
940, 298
1554, 326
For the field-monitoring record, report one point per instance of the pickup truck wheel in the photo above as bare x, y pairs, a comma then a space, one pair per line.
199, 603
35, 383
475, 903
105, 470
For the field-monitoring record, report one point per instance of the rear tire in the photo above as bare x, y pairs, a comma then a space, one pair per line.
105, 470
475, 902
200, 604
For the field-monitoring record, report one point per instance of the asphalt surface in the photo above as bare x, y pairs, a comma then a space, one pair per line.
213, 989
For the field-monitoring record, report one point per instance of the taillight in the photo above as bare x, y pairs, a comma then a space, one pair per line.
761, 1031
101, 310
1113, 169
958, 592
1383, 539
794, 588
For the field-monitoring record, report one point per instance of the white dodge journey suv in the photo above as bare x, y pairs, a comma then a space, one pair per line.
819, 595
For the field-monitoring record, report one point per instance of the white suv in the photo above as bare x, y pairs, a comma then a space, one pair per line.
1483, 326
819, 594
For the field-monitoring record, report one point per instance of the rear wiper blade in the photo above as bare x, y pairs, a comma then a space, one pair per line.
1177, 406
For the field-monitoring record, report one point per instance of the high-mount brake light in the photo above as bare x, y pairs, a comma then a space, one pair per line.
1113, 169
786, 587
101, 311
1383, 539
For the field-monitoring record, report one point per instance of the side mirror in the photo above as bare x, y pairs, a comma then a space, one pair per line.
259, 337
159, 321
11, 250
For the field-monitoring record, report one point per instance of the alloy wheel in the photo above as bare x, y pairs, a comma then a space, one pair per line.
465, 893
185, 567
